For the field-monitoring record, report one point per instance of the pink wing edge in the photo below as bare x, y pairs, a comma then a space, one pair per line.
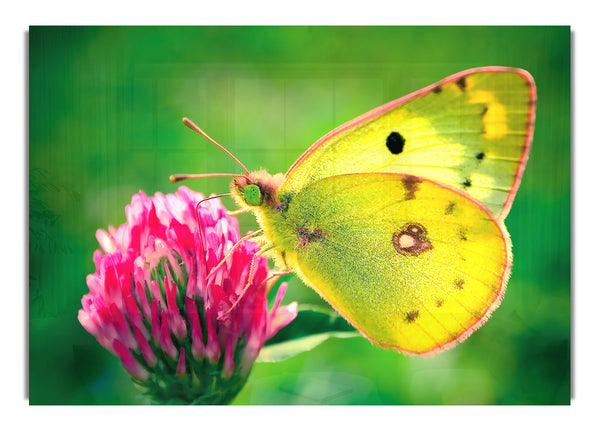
455, 77
528, 139
484, 316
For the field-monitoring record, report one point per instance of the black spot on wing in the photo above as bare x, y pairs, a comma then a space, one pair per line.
450, 208
480, 156
437, 90
395, 143
462, 84
467, 183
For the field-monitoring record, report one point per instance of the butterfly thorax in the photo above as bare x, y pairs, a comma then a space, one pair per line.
260, 193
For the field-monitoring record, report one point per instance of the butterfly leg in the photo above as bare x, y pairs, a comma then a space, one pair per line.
238, 212
275, 275
268, 247
240, 241
250, 279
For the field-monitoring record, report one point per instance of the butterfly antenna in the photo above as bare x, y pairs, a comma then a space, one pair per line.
180, 177
189, 123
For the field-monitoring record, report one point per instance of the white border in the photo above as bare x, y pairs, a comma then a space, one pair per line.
586, 287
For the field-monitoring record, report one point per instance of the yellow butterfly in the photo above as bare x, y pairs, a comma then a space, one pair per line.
396, 218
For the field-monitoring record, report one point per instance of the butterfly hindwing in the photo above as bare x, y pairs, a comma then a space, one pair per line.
471, 131
417, 269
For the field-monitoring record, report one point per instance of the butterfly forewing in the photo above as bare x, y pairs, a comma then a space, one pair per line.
417, 269
471, 131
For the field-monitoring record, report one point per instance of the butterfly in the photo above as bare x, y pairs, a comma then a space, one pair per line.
396, 218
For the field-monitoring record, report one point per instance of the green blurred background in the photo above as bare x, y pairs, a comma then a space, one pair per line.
105, 109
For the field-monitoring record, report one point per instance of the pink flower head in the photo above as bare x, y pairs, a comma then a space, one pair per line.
184, 333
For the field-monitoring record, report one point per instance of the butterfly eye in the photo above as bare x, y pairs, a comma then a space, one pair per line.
252, 195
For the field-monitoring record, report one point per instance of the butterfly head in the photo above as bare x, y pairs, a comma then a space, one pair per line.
258, 189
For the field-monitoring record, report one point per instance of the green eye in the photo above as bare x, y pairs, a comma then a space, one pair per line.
252, 195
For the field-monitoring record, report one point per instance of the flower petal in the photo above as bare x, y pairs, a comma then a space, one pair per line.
150, 293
